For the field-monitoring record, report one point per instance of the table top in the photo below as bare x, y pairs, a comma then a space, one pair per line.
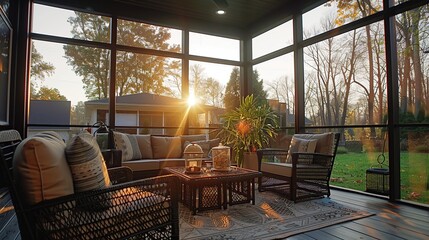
235, 172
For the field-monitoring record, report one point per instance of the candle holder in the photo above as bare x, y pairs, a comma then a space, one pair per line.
193, 154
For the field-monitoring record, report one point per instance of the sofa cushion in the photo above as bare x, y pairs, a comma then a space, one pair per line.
40, 168
166, 147
313, 172
122, 142
325, 141
86, 163
192, 138
142, 165
145, 146
134, 146
301, 145
171, 162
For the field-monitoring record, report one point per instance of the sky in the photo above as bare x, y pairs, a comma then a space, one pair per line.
70, 85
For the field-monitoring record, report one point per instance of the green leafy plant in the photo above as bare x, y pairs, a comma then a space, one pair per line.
248, 127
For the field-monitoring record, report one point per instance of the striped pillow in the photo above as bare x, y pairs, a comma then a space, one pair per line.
123, 143
86, 163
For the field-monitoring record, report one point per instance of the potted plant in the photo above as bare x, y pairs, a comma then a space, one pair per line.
248, 127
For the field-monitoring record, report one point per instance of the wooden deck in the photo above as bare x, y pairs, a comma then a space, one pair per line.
392, 221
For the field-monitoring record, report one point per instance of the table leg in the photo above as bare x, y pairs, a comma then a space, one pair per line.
225, 187
194, 200
253, 191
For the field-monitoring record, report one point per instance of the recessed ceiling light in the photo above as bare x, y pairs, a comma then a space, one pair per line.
220, 12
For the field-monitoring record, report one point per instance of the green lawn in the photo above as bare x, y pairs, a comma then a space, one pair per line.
350, 172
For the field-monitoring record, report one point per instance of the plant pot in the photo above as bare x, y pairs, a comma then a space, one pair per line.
250, 160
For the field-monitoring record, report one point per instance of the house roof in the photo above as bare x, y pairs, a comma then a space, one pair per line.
150, 102
139, 99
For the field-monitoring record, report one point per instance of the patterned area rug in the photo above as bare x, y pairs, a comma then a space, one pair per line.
272, 217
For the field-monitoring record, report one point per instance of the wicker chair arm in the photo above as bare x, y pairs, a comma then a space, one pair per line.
318, 159
269, 154
142, 209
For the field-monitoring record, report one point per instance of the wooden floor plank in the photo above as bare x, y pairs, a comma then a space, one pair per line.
372, 232
392, 220
10, 230
300, 237
345, 233
317, 234
393, 228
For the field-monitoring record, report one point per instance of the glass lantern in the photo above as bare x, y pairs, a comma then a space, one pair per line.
193, 158
221, 158
101, 135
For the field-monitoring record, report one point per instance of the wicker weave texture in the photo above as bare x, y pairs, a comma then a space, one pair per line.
143, 209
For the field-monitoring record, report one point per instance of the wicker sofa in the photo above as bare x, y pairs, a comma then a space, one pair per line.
64, 191
147, 155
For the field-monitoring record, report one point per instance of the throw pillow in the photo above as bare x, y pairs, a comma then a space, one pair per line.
40, 168
325, 143
88, 170
166, 147
301, 145
145, 146
134, 146
86, 163
122, 142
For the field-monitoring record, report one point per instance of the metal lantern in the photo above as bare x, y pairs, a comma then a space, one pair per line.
101, 135
193, 158
221, 158
377, 181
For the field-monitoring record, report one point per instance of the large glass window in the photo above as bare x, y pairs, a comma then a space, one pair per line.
140, 73
214, 46
413, 80
212, 85
274, 79
149, 36
345, 79
61, 84
70, 24
274, 39
337, 13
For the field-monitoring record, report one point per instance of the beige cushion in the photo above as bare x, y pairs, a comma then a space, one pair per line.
86, 163
314, 172
192, 138
166, 147
282, 169
302, 146
122, 142
325, 141
171, 162
142, 165
145, 146
41, 170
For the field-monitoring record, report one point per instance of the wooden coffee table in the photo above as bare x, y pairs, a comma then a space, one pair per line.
216, 189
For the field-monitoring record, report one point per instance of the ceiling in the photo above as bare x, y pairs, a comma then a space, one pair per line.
241, 14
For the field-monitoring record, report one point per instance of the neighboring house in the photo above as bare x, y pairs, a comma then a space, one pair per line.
50, 112
160, 114
286, 119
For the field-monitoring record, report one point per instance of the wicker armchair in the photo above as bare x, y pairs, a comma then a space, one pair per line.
298, 175
143, 209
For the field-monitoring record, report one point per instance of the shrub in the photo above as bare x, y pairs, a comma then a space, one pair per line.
422, 149
341, 150
354, 146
